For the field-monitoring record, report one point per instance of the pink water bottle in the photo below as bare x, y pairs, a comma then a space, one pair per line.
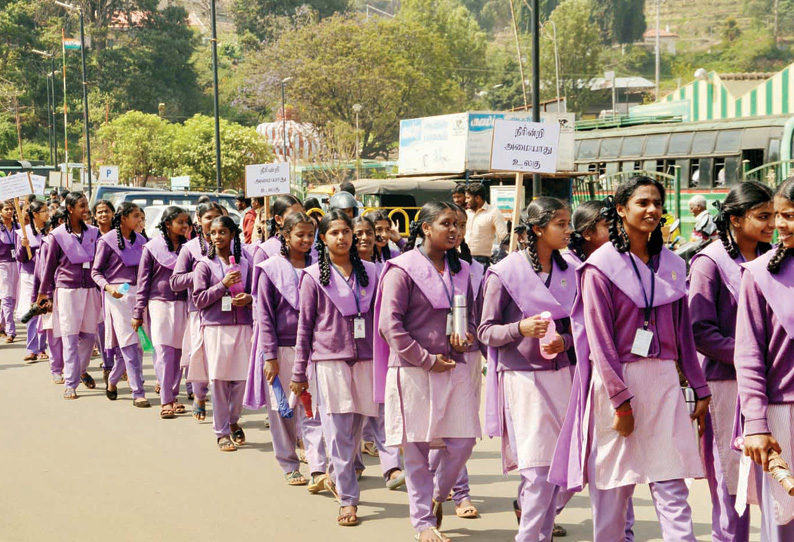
551, 334
237, 287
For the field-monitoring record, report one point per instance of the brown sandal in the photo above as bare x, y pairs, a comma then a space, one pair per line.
225, 444
467, 511
179, 408
167, 411
347, 519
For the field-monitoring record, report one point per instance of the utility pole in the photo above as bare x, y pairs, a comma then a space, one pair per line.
658, 45
536, 184
215, 96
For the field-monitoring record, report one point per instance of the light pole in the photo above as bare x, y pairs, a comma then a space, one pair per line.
658, 47
284, 116
50, 104
556, 61
85, 91
536, 184
357, 109
215, 96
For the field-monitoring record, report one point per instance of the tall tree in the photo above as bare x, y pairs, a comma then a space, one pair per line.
392, 68
264, 19
621, 21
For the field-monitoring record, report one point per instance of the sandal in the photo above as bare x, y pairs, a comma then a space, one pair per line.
359, 474
347, 519
199, 411
94, 352
467, 511
517, 511
295, 478
302, 452
179, 408
238, 435
396, 483
88, 380
124, 376
30, 358
559, 531
10, 339
225, 444
157, 388
57, 379
437, 536
141, 402
317, 483
43, 356
438, 512
167, 411
111, 394
370, 449
69, 394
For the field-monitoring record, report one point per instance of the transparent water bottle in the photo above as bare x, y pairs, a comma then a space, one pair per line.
551, 334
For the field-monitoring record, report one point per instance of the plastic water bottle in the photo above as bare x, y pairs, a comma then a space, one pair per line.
146, 344
551, 334
238, 287
123, 289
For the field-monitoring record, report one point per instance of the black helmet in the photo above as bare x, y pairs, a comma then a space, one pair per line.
343, 200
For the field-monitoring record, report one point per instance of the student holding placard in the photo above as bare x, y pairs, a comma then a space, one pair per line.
76, 301
632, 330
38, 227
9, 273
335, 333
116, 274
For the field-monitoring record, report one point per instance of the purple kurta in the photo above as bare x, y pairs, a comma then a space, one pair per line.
113, 265
154, 276
68, 261
8, 240
182, 277
765, 340
209, 290
28, 264
278, 305
325, 324
606, 317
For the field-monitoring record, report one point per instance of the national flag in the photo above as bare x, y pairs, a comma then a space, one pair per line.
71, 44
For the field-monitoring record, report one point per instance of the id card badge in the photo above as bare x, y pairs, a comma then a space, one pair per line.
226, 303
449, 324
642, 343
359, 328
86, 265
13, 252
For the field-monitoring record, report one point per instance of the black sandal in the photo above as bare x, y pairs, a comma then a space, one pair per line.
238, 435
112, 394
88, 380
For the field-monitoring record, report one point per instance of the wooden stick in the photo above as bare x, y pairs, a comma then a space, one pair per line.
30, 181
516, 210
24, 232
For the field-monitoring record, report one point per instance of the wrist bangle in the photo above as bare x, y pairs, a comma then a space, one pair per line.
623, 413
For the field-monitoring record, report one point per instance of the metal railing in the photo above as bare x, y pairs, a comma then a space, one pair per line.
596, 186
399, 215
772, 174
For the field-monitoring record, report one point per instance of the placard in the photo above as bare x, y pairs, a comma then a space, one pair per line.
267, 180
528, 147
180, 183
504, 198
109, 174
39, 184
55, 179
14, 186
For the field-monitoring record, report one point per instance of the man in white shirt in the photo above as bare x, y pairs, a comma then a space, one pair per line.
486, 224
704, 223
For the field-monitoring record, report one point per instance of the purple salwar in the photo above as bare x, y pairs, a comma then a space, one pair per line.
168, 371
343, 441
227, 405
36, 341
461, 490
109, 355
7, 306
131, 362
56, 353
424, 485
77, 355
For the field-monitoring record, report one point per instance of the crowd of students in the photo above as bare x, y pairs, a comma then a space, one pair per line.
348, 334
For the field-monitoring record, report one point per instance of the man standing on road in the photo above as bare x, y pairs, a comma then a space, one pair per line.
243, 205
485, 224
704, 223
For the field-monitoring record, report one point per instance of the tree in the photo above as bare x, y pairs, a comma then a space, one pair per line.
136, 142
580, 48
389, 67
454, 23
731, 30
193, 152
621, 21
264, 19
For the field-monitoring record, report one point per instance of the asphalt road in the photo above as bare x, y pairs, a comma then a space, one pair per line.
95, 470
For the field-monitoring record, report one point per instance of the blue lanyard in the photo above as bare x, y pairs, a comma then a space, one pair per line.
9, 235
648, 303
450, 292
354, 288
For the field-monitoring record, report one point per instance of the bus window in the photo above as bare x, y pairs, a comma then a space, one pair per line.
755, 157
733, 168
610, 147
718, 172
588, 149
773, 155
686, 174
650, 165
680, 143
632, 146
705, 168
703, 143
729, 141
612, 167
656, 145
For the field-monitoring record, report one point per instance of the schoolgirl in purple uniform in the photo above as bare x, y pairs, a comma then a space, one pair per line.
280, 207
117, 260
335, 332
182, 280
38, 217
54, 343
224, 343
166, 308
76, 301
9, 271
632, 330
102, 213
385, 233
746, 224
374, 431
764, 354
527, 391
419, 361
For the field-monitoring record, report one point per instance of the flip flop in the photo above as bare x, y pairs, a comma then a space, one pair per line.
439, 536
559, 531
396, 483
179, 408
141, 402
30, 358
199, 412
369, 449
10, 339
295, 478
43, 356
57, 379
347, 519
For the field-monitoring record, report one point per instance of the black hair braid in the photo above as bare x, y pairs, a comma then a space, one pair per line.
413, 233
559, 260
272, 227
722, 221
777, 260
576, 245
532, 251
656, 242
32, 222
116, 223
385, 253
465, 252
284, 247
454, 261
203, 244
68, 221
238, 246
358, 264
324, 262
617, 234
211, 251
164, 230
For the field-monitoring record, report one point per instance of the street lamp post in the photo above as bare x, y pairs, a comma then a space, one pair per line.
50, 105
85, 90
357, 110
536, 184
215, 96
284, 116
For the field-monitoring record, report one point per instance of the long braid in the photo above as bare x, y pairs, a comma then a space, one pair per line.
722, 221
559, 260
413, 233
272, 227
32, 222
358, 264
203, 243
211, 251
576, 245
284, 247
68, 221
532, 251
116, 224
324, 263
238, 246
454, 261
777, 260
465, 252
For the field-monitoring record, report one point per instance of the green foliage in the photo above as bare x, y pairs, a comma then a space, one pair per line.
580, 51
137, 143
731, 30
621, 21
192, 150
394, 69
264, 20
